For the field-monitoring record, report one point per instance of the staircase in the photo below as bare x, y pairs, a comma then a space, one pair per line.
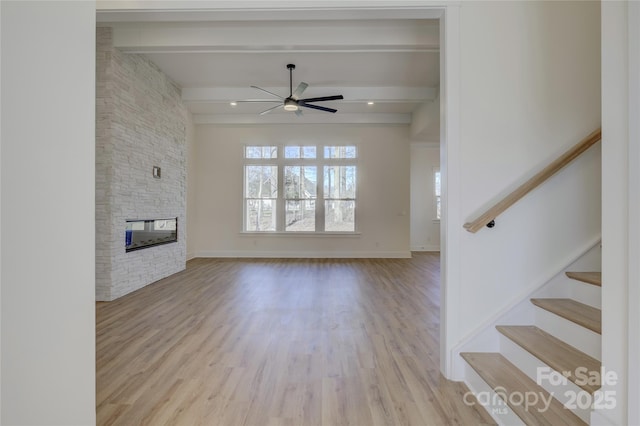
545, 373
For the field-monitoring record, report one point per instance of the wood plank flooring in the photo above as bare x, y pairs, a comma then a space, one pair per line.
280, 342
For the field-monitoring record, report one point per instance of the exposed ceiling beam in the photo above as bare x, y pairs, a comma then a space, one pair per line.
289, 49
340, 36
360, 94
234, 10
310, 118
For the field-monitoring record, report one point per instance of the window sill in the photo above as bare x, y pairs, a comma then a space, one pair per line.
299, 234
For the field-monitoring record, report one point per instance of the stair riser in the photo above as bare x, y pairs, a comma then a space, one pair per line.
585, 293
501, 413
489, 339
530, 364
575, 335
590, 261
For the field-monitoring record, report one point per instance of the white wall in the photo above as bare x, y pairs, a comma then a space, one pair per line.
633, 299
529, 89
425, 227
425, 122
0, 216
48, 274
383, 192
620, 208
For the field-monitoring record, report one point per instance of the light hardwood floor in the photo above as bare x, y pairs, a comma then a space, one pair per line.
280, 342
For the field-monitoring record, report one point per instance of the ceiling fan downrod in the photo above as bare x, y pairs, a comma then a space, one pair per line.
291, 67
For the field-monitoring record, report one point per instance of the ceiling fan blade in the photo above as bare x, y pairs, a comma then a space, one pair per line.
301, 88
302, 104
299, 113
271, 93
324, 98
259, 100
270, 109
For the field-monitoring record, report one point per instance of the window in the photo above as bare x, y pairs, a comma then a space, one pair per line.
339, 197
261, 152
299, 152
290, 189
436, 187
300, 191
261, 194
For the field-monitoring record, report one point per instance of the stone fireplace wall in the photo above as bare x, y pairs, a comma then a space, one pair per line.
140, 123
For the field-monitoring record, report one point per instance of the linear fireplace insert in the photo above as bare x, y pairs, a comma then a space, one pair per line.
145, 233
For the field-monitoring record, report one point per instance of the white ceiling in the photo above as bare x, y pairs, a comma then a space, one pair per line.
391, 62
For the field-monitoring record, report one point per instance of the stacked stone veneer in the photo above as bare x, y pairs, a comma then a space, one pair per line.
140, 123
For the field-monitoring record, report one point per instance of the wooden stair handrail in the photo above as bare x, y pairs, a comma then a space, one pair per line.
491, 213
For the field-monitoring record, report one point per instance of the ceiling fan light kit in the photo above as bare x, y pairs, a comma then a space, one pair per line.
293, 102
290, 105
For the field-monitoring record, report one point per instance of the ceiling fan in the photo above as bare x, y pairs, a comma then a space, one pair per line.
293, 101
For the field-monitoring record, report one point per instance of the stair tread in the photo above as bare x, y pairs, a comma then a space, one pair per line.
498, 372
579, 313
556, 354
594, 278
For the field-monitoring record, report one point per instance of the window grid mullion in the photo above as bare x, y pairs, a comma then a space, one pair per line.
320, 196
280, 201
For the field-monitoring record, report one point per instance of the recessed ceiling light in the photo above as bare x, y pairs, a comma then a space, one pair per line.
370, 103
233, 103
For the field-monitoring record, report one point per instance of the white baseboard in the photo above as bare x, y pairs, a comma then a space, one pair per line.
426, 248
599, 419
191, 256
401, 254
